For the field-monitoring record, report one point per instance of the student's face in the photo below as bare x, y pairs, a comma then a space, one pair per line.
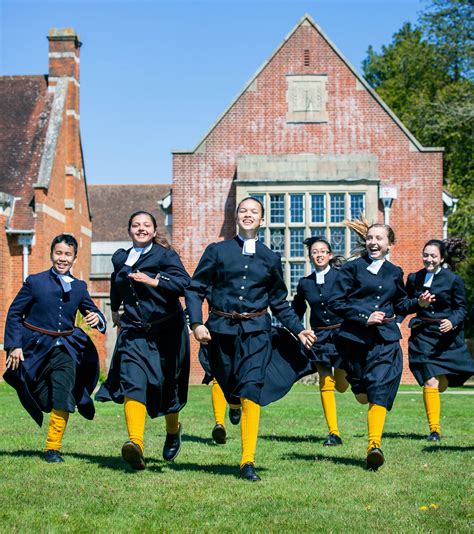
63, 257
249, 216
432, 258
142, 230
377, 243
320, 255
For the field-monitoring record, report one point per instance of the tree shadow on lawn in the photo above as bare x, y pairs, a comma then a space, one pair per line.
321, 457
447, 448
293, 439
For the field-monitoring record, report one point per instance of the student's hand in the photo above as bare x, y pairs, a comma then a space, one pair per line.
307, 337
144, 279
376, 317
201, 334
425, 299
445, 326
91, 318
14, 358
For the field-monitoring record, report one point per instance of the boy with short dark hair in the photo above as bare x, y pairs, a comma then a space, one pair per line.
51, 363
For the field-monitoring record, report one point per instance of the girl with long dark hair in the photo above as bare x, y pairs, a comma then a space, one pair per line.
438, 354
315, 290
150, 366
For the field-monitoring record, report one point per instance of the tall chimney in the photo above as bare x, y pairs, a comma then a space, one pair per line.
64, 45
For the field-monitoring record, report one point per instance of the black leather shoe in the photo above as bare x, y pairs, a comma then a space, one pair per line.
375, 459
133, 455
247, 472
434, 436
234, 415
331, 440
172, 445
219, 434
53, 457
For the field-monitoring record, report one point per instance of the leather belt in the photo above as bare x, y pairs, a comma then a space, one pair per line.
148, 326
329, 327
49, 332
235, 315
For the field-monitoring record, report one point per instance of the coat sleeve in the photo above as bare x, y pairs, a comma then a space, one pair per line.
280, 307
458, 303
174, 278
87, 305
202, 279
402, 304
299, 301
17, 311
115, 295
340, 302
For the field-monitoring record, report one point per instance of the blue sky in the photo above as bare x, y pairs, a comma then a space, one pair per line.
155, 75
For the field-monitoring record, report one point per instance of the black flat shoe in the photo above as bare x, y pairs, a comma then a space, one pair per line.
234, 415
133, 455
53, 457
332, 440
219, 434
247, 472
434, 436
172, 445
375, 459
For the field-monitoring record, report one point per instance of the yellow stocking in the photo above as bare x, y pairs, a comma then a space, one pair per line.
249, 430
432, 407
327, 384
375, 422
57, 425
172, 423
218, 403
135, 413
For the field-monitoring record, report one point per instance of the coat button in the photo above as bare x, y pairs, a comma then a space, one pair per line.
246, 266
378, 296
244, 277
241, 298
376, 305
380, 287
242, 287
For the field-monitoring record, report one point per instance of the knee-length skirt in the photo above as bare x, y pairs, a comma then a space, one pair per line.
432, 353
150, 367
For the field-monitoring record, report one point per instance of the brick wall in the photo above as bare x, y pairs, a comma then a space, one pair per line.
203, 188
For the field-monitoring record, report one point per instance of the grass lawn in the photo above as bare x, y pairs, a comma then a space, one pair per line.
306, 487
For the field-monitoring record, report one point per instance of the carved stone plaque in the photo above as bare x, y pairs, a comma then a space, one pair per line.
307, 98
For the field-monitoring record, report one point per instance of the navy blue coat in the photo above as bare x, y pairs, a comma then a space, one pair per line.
432, 352
233, 282
317, 296
357, 293
42, 302
143, 303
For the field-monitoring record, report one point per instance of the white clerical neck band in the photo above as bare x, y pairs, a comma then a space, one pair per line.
376, 265
321, 274
135, 253
429, 277
249, 245
65, 280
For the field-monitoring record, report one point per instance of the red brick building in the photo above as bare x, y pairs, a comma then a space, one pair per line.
43, 190
112, 206
311, 138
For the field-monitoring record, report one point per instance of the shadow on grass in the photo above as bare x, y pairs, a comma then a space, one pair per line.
398, 435
210, 469
105, 462
343, 460
293, 439
447, 448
